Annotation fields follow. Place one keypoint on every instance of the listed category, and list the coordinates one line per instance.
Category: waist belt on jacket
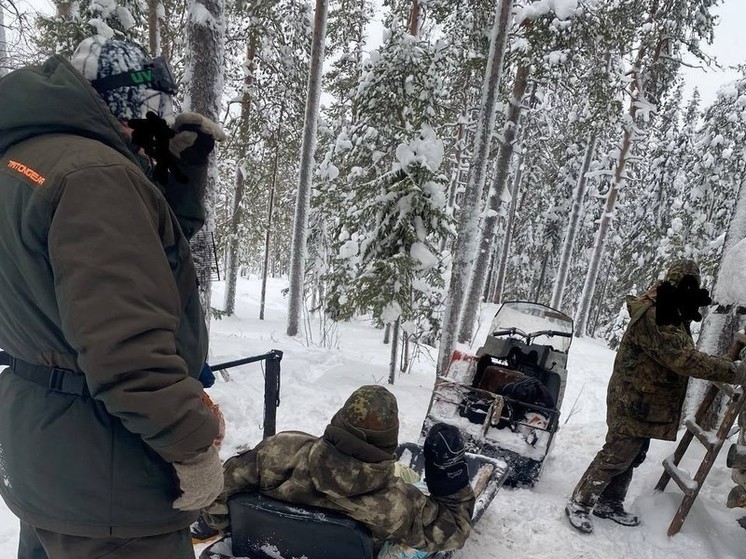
(53, 378)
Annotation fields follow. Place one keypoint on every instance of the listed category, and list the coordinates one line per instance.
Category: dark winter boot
(202, 532)
(615, 512)
(577, 514)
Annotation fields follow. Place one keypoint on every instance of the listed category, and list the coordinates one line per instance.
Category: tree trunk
(465, 246)
(239, 185)
(589, 287)
(489, 227)
(270, 210)
(404, 352)
(568, 244)
(154, 30)
(718, 329)
(394, 351)
(4, 61)
(303, 201)
(497, 293)
(387, 334)
(204, 86)
(414, 18)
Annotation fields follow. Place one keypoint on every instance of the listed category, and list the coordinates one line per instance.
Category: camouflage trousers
(607, 478)
(35, 543)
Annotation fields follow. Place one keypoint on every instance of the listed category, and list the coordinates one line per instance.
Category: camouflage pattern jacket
(651, 372)
(343, 473)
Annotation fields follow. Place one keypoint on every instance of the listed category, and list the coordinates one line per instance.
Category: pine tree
(465, 249)
(205, 59)
(303, 201)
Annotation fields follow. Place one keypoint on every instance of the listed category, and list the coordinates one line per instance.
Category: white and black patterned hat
(129, 82)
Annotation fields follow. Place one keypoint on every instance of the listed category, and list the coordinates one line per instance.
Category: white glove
(200, 479)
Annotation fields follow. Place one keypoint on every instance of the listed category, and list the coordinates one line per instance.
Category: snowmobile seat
(265, 528)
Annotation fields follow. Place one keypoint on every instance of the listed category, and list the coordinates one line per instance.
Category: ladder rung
(728, 389)
(687, 485)
(708, 439)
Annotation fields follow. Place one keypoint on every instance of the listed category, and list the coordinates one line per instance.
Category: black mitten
(666, 305)
(195, 138)
(445, 468)
(691, 297)
(153, 135)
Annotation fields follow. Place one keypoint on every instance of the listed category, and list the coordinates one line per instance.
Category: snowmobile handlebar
(532, 335)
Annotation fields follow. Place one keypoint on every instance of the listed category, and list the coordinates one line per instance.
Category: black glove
(445, 468)
(195, 138)
(153, 135)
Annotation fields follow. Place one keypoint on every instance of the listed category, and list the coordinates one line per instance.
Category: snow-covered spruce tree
(464, 249)
(303, 200)
(383, 176)
(205, 57)
(667, 31)
(75, 21)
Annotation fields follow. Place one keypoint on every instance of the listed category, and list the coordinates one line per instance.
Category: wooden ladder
(712, 441)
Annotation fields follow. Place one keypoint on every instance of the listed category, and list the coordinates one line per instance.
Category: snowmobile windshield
(537, 323)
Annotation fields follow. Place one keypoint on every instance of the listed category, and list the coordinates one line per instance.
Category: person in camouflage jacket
(646, 391)
(350, 469)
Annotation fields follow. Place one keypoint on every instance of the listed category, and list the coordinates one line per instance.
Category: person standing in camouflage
(646, 391)
(350, 469)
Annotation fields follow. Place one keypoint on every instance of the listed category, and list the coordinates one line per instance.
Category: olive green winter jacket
(95, 276)
(343, 473)
(651, 373)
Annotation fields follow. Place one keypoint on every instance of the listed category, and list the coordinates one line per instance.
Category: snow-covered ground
(521, 523)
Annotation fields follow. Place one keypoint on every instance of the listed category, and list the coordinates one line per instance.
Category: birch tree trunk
(489, 227)
(573, 225)
(231, 272)
(270, 211)
(465, 247)
(303, 200)
(204, 86)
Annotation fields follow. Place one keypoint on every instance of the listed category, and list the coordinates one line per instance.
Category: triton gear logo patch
(26, 171)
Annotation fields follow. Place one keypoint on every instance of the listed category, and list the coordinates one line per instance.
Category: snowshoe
(578, 516)
(616, 513)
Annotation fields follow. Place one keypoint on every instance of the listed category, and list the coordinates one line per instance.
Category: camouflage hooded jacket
(343, 473)
(648, 385)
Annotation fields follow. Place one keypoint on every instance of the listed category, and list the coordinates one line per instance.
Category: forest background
(543, 150)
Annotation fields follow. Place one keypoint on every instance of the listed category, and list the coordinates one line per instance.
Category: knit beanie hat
(372, 415)
(129, 82)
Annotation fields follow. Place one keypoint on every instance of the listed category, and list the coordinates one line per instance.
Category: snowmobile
(505, 400)
(265, 528)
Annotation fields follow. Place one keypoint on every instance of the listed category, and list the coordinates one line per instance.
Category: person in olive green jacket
(350, 469)
(106, 448)
(646, 391)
